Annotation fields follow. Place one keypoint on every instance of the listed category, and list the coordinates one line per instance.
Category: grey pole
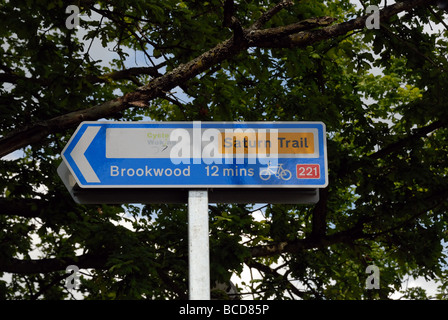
(198, 245)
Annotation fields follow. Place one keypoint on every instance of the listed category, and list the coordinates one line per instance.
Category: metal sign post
(198, 245)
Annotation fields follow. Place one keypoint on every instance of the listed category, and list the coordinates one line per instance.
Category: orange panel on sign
(286, 142)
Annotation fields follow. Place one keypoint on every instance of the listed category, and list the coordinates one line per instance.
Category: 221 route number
(308, 171)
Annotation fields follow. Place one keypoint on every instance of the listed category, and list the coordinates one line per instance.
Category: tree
(228, 61)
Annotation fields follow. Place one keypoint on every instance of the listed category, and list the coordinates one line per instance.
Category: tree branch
(19, 266)
(9, 78)
(128, 73)
(309, 37)
(28, 208)
(155, 88)
(393, 147)
(116, 75)
(265, 17)
(413, 207)
(54, 282)
(346, 236)
(259, 36)
(267, 270)
(229, 11)
(416, 134)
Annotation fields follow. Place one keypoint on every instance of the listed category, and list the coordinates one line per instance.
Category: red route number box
(308, 171)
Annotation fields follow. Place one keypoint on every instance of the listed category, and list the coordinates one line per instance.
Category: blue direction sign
(198, 155)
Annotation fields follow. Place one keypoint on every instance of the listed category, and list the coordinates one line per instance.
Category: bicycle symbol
(278, 171)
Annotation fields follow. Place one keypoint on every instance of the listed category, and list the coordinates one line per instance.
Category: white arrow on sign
(78, 154)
